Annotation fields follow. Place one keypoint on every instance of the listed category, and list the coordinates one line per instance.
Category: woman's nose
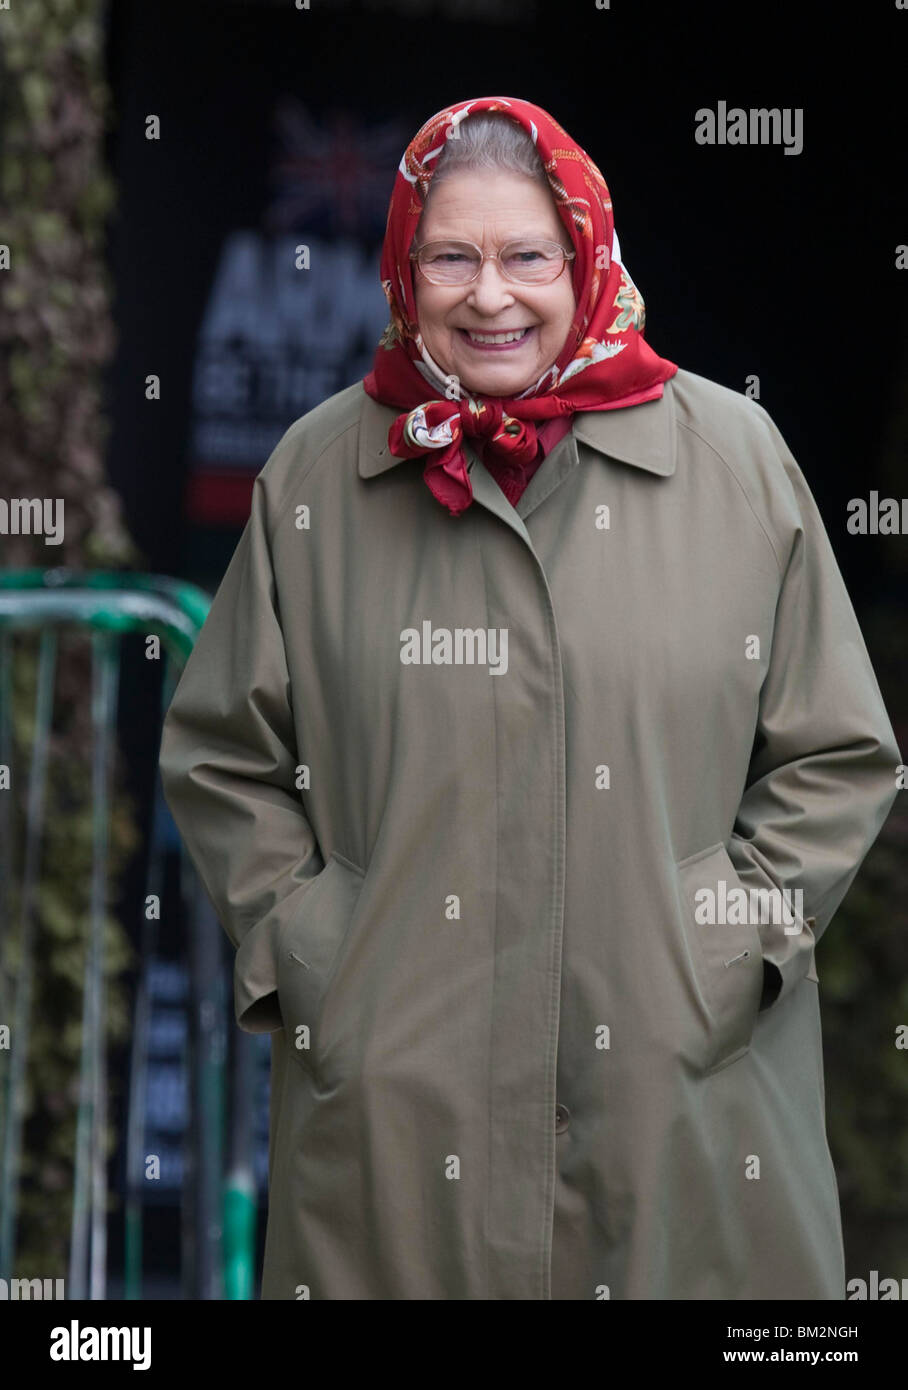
(490, 290)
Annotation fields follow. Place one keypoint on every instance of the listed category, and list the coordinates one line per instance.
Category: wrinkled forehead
(498, 204)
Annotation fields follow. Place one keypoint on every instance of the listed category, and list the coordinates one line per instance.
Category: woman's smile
(500, 340)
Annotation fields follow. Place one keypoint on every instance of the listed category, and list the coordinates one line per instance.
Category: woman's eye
(451, 257)
(529, 255)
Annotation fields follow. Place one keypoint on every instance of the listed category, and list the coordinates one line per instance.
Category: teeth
(498, 337)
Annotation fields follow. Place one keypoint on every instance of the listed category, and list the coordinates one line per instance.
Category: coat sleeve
(228, 763)
(822, 776)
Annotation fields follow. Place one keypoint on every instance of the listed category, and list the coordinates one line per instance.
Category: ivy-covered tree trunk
(56, 335)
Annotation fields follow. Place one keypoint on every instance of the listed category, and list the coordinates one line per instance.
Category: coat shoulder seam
(682, 424)
(303, 474)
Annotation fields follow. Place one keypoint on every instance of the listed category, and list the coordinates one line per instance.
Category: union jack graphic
(332, 177)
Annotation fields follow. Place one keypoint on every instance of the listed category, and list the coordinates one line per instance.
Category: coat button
(562, 1118)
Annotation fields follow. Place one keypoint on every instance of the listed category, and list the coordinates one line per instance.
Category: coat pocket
(725, 956)
(309, 949)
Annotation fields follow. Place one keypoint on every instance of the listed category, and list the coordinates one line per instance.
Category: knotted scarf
(605, 364)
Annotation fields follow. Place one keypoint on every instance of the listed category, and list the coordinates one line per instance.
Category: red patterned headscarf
(604, 363)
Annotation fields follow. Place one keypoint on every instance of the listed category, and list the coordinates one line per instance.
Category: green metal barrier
(109, 606)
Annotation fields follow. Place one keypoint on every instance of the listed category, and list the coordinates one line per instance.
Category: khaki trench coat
(463, 791)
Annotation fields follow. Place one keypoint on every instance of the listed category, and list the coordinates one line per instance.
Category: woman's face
(491, 208)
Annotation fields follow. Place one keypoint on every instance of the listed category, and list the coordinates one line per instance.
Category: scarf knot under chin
(437, 428)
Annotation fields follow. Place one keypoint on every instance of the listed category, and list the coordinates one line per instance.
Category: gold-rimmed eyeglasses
(527, 262)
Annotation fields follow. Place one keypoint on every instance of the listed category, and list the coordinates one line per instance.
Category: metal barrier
(109, 606)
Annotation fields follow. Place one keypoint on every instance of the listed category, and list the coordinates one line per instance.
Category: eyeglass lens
(457, 262)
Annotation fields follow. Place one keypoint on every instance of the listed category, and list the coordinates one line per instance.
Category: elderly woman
(536, 953)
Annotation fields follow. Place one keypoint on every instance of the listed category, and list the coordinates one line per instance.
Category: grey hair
(489, 140)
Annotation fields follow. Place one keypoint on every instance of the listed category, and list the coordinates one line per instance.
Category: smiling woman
(513, 1057)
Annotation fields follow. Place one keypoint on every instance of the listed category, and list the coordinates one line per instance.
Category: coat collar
(642, 435)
